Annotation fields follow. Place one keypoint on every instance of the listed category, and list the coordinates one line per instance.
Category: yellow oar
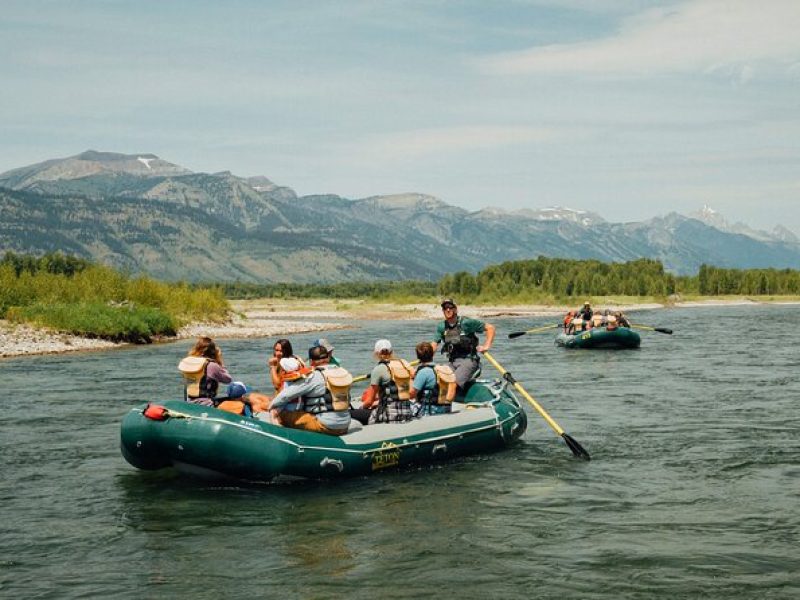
(365, 377)
(658, 329)
(516, 334)
(572, 443)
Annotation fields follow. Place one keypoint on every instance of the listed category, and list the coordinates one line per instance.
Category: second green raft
(600, 337)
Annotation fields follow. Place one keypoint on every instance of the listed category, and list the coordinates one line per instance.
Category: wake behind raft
(205, 441)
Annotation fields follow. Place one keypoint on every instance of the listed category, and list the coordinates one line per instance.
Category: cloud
(701, 36)
(424, 142)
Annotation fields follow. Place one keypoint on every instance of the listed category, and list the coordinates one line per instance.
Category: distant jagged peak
(783, 234)
(410, 200)
(709, 216)
(562, 213)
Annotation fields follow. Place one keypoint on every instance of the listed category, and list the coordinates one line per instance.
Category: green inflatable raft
(600, 337)
(206, 441)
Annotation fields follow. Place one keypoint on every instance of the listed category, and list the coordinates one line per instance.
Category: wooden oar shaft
(556, 427)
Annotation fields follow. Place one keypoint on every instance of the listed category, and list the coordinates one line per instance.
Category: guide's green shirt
(468, 326)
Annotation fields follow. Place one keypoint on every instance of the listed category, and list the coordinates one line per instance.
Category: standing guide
(461, 343)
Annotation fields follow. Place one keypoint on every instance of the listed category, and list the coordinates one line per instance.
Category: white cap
(290, 364)
(383, 346)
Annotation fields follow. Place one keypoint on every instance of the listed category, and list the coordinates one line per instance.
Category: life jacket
(337, 392)
(394, 399)
(597, 321)
(576, 325)
(438, 393)
(196, 383)
(458, 344)
(611, 324)
(567, 320)
(301, 373)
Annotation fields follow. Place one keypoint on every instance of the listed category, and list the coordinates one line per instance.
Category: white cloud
(706, 35)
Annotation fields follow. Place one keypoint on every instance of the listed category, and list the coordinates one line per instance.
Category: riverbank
(273, 318)
(23, 340)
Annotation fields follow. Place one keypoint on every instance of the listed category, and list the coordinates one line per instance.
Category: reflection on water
(692, 490)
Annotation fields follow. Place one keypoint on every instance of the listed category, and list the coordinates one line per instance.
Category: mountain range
(144, 214)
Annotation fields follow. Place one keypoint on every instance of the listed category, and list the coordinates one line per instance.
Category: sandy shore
(270, 318)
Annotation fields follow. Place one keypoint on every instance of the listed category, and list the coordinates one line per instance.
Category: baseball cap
(324, 343)
(383, 346)
(290, 364)
(236, 389)
(448, 302)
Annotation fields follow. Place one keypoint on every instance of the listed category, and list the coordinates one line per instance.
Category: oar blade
(516, 334)
(663, 330)
(577, 450)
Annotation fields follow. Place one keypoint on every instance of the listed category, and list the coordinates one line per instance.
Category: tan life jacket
(401, 374)
(193, 369)
(597, 321)
(612, 323)
(444, 377)
(338, 381)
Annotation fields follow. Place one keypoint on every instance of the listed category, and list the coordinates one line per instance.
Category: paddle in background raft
(571, 442)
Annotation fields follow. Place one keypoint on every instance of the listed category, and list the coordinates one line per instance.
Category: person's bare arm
(490, 330)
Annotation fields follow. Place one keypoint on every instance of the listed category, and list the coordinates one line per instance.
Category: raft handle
(325, 462)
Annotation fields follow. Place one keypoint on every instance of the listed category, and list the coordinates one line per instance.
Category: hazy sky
(629, 108)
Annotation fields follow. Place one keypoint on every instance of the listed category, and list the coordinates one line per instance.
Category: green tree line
(556, 278)
(713, 281)
(76, 296)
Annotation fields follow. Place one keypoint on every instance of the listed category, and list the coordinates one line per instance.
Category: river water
(693, 489)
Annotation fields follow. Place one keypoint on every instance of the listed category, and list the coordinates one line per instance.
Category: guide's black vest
(457, 344)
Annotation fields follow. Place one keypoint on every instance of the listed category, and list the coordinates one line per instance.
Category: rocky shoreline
(23, 340)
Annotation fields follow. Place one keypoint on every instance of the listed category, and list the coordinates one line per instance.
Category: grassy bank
(78, 297)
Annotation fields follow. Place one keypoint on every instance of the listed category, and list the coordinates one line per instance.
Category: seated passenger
(281, 349)
(319, 410)
(568, 318)
(434, 386)
(327, 345)
(622, 320)
(203, 371)
(575, 326)
(386, 399)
